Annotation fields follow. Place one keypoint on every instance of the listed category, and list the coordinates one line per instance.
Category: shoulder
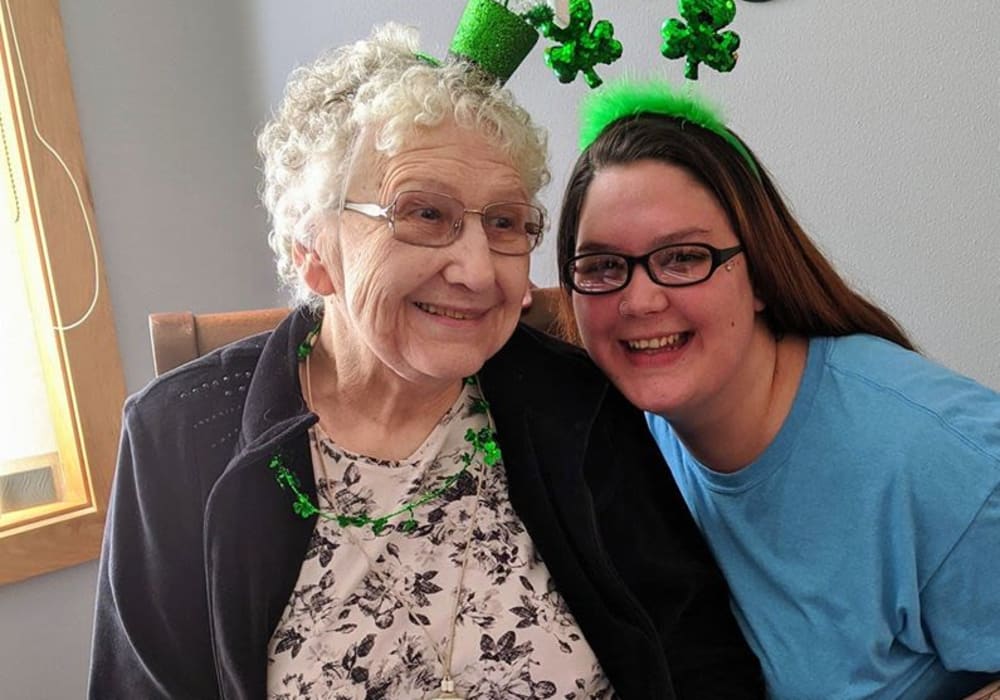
(212, 385)
(925, 441)
(878, 360)
(922, 440)
(905, 389)
(549, 351)
(882, 363)
(555, 382)
(539, 354)
(178, 434)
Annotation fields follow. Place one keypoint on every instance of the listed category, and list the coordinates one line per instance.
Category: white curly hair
(384, 86)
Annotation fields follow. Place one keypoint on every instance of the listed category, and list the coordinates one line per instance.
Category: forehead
(636, 206)
(446, 157)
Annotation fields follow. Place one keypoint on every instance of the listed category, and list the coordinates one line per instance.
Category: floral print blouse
(377, 623)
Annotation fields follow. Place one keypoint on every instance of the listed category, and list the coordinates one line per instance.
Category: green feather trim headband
(628, 98)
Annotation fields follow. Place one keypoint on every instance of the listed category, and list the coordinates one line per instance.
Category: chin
(644, 402)
(649, 398)
(452, 366)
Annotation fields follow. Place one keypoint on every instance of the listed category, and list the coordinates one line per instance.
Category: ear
(300, 251)
(758, 304)
(312, 269)
(526, 300)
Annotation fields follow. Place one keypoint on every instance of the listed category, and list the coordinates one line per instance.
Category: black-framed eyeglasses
(434, 220)
(676, 265)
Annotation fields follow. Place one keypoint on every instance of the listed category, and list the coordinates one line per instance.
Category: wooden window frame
(56, 231)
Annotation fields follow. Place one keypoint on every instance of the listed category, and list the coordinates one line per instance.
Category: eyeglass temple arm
(726, 253)
(372, 210)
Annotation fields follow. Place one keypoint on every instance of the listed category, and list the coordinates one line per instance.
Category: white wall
(879, 120)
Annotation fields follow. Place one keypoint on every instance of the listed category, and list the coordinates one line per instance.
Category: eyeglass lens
(429, 218)
(672, 265)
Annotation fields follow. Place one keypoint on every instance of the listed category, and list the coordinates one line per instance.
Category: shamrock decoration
(699, 39)
(580, 47)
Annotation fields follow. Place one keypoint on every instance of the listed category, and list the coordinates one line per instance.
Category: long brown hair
(802, 292)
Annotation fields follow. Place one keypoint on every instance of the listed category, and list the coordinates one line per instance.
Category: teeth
(667, 341)
(440, 311)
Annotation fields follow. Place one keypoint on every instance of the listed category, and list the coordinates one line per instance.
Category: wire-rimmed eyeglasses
(434, 220)
(675, 265)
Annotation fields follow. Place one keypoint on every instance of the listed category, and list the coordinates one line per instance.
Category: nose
(471, 263)
(641, 296)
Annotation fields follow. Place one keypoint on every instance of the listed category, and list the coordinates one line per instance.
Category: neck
(365, 406)
(735, 431)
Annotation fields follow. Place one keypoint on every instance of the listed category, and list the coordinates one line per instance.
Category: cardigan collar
(265, 550)
(274, 397)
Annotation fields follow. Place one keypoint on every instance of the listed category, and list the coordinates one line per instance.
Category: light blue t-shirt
(863, 547)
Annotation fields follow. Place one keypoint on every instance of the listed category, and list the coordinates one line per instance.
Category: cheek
(738, 320)
(327, 248)
(731, 307)
(370, 290)
(594, 317)
(513, 276)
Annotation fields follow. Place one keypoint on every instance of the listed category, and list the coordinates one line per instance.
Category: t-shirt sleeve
(961, 602)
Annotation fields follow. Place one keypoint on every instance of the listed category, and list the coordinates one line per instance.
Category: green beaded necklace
(482, 441)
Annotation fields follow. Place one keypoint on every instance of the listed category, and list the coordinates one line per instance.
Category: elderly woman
(323, 511)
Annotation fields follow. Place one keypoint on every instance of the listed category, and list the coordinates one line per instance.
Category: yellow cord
(72, 179)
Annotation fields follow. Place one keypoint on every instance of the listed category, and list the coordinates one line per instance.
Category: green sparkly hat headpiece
(628, 98)
(497, 39)
(493, 37)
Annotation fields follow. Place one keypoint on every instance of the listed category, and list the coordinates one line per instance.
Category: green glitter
(580, 48)
(492, 37)
(699, 40)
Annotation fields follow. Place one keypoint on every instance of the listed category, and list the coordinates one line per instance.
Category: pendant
(447, 691)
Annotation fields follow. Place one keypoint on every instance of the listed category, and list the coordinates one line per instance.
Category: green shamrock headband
(628, 98)
(496, 38)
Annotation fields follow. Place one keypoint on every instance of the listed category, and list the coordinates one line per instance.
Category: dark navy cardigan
(202, 550)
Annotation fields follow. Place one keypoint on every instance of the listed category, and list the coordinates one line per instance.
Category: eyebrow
(680, 236)
(514, 193)
(425, 184)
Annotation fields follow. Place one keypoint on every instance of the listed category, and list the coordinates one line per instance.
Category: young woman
(849, 487)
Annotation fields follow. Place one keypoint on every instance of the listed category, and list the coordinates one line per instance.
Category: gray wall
(879, 121)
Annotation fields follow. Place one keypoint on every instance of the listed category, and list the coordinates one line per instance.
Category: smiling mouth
(672, 341)
(442, 311)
